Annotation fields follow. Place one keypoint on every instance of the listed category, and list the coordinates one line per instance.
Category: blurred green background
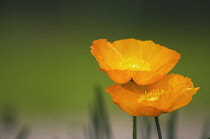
(48, 70)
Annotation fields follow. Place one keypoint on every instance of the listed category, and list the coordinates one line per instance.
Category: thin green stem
(158, 127)
(134, 128)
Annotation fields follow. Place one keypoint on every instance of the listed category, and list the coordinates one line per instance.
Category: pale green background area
(46, 65)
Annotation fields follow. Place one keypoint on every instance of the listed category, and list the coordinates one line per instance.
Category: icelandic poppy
(141, 61)
(164, 96)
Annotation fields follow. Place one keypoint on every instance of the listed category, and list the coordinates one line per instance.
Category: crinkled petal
(144, 50)
(106, 55)
(145, 77)
(183, 99)
(164, 61)
(119, 76)
(127, 101)
(178, 92)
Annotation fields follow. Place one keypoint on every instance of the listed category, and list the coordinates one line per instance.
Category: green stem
(134, 128)
(158, 127)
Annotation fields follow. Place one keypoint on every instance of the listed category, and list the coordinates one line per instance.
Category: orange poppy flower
(166, 95)
(141, 61)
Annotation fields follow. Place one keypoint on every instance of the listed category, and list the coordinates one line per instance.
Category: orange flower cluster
(141, 67)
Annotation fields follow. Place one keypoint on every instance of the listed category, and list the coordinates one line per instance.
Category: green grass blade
(172, 124)
(205, 131)
(99, 126)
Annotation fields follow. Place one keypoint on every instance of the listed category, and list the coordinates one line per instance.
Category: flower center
(151, 95)
(133, 63)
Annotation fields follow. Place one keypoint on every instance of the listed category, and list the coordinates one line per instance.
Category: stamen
(151, 95)
(133, 63)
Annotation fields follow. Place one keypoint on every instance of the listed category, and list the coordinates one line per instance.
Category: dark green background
(45, 64)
